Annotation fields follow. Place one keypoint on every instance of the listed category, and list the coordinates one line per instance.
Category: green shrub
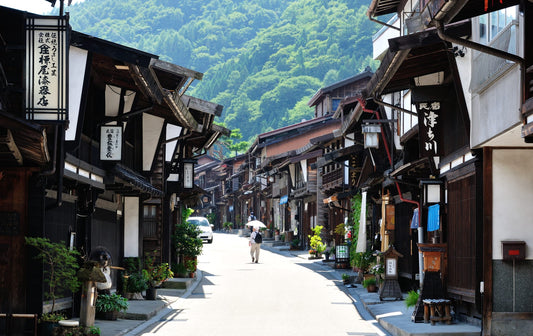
(61, 266)
(111, 302)
(369, 282)
(412, 298)
(136, 282)
(132, 264)
(186, 241)
(179, 270)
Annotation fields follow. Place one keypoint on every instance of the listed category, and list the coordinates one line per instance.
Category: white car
(206, 229)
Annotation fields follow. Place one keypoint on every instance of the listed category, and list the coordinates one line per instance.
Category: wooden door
(462, 231)
(13, 228)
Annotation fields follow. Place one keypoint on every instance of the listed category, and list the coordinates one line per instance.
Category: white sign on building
(46, 68)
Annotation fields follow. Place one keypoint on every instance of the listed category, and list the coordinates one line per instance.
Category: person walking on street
(251, 217)
(255, 244)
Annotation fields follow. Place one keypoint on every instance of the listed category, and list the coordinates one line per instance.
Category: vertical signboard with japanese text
(429, 128)
(46, 68)
(111, 143)
(355, 169)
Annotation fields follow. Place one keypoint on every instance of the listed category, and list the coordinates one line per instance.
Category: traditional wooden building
(285, 162)
(95, 139)
(462, 68)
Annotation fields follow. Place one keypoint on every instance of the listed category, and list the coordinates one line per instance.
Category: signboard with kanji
(111, 143)
(46, 68)
(429, 128)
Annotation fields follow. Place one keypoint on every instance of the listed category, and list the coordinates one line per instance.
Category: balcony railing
(332, 179)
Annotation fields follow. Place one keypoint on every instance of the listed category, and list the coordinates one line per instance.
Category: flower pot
(108, 316)
(47, 328)
(151, 293)
(371, 288)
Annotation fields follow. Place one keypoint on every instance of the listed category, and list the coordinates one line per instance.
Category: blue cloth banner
(433, 217)
(284, 199)
(414, 220)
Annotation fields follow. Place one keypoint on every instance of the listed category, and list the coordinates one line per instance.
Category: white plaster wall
(464, 67)
(152, 127)
(497, 109)
(380, 41)
(512, 198)
(172, 132)
(76, 73)
(131, 226)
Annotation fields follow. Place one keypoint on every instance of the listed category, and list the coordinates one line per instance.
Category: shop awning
(414, 170)
(22, 142)
(129, 183)
(412, 56)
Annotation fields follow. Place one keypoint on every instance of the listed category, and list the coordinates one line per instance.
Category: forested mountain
(262, 59)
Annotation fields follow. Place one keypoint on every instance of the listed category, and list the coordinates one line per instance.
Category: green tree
(61, 266)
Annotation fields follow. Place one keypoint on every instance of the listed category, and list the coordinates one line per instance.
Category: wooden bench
(437, 310)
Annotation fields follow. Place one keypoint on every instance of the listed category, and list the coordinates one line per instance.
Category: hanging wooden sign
(46, 68)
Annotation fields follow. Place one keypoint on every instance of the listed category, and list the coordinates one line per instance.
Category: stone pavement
(393, 316)
(143, 313)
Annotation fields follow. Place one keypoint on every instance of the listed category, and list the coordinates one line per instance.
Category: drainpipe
(55, 169)
(382, 103)
(383, 23)
(420, 229)
(487, 50)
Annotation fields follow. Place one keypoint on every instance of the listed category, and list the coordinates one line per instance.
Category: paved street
(277, 296)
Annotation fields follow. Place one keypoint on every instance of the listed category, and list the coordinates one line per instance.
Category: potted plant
(60, 274)
(186, 243)
(329, 251)
(340, 230)
(370, 284)
(316, 241)
(179, 270)
(109, 305)
(48, 322)
(345, 278)
(156, 275)
(78, 331)
(92, 331)
(295, 243)
(191, 267)
(227, 226)
(411, 299)
(377, 270)
(135, 284)
(62, 265)
(361, 261)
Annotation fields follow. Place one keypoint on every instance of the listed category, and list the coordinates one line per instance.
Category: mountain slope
(262, 59)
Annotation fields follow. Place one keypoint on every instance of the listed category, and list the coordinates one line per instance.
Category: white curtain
(361, 238)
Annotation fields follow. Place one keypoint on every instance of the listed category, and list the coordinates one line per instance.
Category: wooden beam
(487, 239)
(202, 105)
(6, 138)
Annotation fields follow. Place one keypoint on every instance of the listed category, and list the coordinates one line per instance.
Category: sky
(34, 6)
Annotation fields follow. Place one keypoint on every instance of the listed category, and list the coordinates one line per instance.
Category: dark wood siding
(405, 242)
(13, 228)
(461, 238)
(106, 232)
